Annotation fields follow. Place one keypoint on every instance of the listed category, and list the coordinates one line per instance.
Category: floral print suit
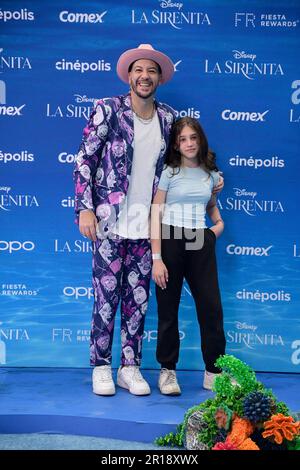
(121, 267)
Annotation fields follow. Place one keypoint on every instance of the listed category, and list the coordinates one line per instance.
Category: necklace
(145, 120)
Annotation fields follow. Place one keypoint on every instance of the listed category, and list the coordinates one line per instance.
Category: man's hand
(88, 224)
(219, 186)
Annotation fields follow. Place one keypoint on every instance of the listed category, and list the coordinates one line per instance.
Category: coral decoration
(257, 407)
(248, 444)
(240, 430)
(227, 445)
(243, 415)
(281, 427)
(223, 417)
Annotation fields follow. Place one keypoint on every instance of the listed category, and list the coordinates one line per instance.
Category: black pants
(199, 268)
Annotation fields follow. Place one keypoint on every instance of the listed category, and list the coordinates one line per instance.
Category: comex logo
(65, 157)
(229, 115)
(15, 245)
(70, 17)
(248, 250)
(8, 110)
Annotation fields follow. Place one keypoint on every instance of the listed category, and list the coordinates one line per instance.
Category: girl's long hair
(205, 156)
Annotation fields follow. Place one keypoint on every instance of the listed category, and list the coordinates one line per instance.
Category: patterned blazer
(104, 160)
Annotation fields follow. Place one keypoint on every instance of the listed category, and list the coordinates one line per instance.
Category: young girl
(183, 247)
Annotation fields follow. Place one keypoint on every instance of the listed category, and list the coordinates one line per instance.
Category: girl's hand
(218, 228)
(160, 273)
(219, 187)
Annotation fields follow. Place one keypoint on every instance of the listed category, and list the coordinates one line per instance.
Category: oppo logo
(151, 335)
(65, 157)
(78, 292)
(16, 245)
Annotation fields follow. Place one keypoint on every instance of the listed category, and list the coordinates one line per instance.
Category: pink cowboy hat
(145, 51)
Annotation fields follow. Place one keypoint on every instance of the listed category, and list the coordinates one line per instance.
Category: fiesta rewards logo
(170, 13)
(245, 64)
(17, 290)
(245, 201)
(264, 20)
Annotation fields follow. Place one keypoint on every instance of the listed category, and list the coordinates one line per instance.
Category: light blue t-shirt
(188, 192)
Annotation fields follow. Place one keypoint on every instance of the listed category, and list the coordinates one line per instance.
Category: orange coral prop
(248, 444)
(240, 431)
(281, 427)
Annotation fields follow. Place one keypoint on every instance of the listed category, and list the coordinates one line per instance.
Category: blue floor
(60, 401)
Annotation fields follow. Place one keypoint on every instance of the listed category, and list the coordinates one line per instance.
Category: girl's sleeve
(164, 181)
(216, 177)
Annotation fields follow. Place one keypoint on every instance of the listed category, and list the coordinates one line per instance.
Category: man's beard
(133, 86)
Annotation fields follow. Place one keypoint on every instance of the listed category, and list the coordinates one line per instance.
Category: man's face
(144, 78)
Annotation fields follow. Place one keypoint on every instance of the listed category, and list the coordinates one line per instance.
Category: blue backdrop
(237, 71)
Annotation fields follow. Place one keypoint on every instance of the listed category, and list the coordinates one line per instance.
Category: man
(116, 175)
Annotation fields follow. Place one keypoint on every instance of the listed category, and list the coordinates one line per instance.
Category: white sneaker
(102, 381)
(209, 379)
(130, 377)
(167, 382)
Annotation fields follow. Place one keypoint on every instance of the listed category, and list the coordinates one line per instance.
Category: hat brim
(130, 56)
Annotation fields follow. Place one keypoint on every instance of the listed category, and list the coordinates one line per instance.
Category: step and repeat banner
(237, 71)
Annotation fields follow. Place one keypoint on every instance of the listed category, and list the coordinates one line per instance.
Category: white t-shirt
(133, 221)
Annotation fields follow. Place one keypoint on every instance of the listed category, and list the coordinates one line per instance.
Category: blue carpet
(60, 402)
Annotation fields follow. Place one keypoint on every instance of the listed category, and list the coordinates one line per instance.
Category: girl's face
(188, 146)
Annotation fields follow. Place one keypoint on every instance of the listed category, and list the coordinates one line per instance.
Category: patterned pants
(121, 271)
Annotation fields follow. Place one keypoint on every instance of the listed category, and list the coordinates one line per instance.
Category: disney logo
(243, 55)
(5, 188)
(243, 192)
(244, 326)
(83, 99)
(169, 4)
